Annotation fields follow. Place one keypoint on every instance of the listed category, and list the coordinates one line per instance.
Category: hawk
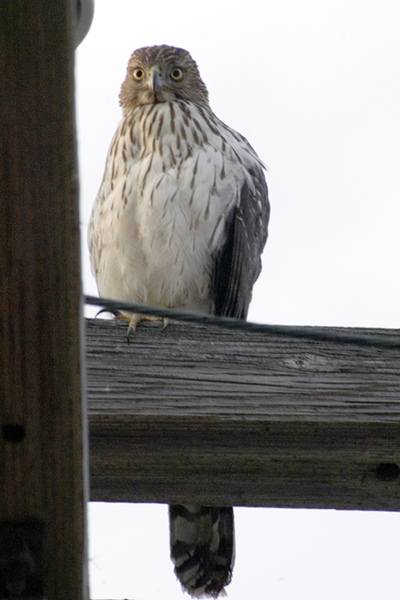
(180, 221)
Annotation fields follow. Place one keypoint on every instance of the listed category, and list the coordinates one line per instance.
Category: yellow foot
(137, 317)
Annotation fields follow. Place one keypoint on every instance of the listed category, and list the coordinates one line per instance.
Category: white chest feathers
(173, 174)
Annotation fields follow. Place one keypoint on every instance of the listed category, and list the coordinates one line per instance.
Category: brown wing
(237, 264)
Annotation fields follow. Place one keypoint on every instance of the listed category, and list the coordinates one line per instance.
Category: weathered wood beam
(200, 414)
(42, 431)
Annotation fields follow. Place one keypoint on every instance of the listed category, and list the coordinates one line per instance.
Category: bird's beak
(155, 81)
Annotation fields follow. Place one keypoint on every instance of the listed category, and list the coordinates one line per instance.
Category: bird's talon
(107, 310)
(129, 333)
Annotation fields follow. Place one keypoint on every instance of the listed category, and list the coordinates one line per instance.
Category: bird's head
(162, 74)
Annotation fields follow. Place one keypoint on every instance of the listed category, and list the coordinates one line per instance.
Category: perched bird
(180, 221)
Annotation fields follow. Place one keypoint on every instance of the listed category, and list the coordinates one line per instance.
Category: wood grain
(43, 431)
(195, 413)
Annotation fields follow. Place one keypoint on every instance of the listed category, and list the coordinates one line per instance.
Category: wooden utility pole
(43, 433)
(186, 414)
(194, 413)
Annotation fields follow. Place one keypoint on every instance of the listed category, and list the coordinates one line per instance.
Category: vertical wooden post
(43, 434)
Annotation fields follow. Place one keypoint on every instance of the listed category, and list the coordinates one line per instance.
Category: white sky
(315, 87)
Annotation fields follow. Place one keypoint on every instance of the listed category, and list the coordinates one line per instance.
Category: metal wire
(382, 340)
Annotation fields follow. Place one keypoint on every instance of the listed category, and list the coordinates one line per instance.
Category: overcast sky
(315, 87)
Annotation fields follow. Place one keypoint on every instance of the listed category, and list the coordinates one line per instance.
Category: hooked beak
(155, 81)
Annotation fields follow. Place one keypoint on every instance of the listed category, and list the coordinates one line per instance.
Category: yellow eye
(138, 74)
(176, 74)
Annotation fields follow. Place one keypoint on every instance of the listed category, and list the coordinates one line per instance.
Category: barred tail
(202, 547)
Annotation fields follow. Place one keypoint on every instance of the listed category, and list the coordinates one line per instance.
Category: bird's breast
(171, 179)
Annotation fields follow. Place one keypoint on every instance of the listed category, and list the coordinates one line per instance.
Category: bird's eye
(176, 74)
(138, 74)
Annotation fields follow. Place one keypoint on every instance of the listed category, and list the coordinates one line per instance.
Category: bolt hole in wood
(13, 433)
(387, 471)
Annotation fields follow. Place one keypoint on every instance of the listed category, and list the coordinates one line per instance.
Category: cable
(382, 340)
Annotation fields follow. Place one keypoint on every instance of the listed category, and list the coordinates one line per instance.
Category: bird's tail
(202, 547)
